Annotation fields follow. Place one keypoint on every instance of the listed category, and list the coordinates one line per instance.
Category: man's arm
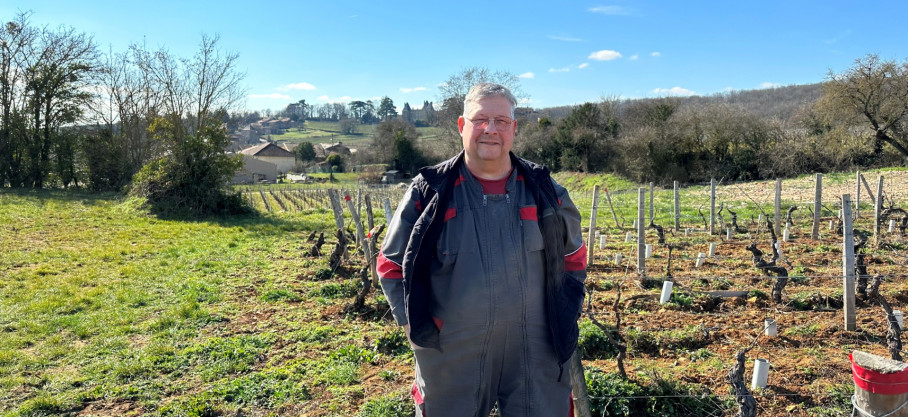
(390, 258)
(575, 248)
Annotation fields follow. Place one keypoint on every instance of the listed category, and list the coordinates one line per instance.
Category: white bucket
(785, 234)
(687, 231)
(728, 234)
(649, 251)
(602, 242)
(635, 224)
(666, 292)
(618, 258)
(627, 237)
(898, 317)
(760, 219)
(770, 326)
(831, 224)
(712, 250)
(761, 374)
(700, 257)
(891, 225)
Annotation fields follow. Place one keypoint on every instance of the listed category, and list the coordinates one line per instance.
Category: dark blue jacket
(564, 289)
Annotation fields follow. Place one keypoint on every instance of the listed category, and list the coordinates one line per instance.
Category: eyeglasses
(498, 123)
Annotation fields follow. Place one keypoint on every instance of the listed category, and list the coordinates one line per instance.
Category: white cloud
(604, 55)
(559, 69)
(656, 54)
(527, 75)
(273, 96)
(634, 57)
(610, 10)
(583, 65)
(769, 85)
(729, 89)
(406, 90)
(565, 38)
(328, 99)
(525, 101)
(674, 91)
(297, 86)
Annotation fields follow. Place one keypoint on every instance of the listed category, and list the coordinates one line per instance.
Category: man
(483, 265)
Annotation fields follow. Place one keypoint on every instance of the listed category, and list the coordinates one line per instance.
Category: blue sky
(567, 52)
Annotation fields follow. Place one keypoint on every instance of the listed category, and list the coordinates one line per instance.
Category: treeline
(841, 124)
(140, 120)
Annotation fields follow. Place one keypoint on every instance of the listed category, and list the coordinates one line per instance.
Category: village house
(269, 152)
(255, 171)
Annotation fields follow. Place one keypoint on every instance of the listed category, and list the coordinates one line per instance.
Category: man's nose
(490, 127)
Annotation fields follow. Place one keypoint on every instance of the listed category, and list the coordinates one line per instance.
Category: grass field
(329, 132)
(106, 310)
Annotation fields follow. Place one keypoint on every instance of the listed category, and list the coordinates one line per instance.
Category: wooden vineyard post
(578, 383)
(641, 228)
(778, 214)
(867, 187)
(877, 210)
(712, 206)
(386, 203)
(337, 208)
(879, 385)
(677, 208)
(857, 195)
(848, 265)
(614, 215)
(369, 212)
(591, 242)
(361, 236)
(817, 207)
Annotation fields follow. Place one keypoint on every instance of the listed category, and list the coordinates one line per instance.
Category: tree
(385, 135)
(386, 109)
(347, 126)
(875, 91)
(407, 158)
(44, 80)
(16, 48)
(304, 151)
(335, 163)
(581, 136)
(357, 109)
(191, 175)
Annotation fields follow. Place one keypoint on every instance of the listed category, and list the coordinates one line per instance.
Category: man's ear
(460, 123)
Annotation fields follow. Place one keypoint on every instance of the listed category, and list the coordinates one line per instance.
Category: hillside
(777, 103)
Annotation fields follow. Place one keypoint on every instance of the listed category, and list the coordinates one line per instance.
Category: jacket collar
(436, 175)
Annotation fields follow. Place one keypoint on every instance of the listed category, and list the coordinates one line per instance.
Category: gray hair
(483, 90)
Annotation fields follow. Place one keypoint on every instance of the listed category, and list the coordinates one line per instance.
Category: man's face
(487, 130)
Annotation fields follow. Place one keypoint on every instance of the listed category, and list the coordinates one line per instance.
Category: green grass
(330, 132)
(102, 301)
(103, 304)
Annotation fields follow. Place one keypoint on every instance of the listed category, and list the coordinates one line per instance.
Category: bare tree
(16, 44)
(874, 91)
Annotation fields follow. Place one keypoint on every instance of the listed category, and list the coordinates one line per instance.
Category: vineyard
(721, 298)
(109, 311)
